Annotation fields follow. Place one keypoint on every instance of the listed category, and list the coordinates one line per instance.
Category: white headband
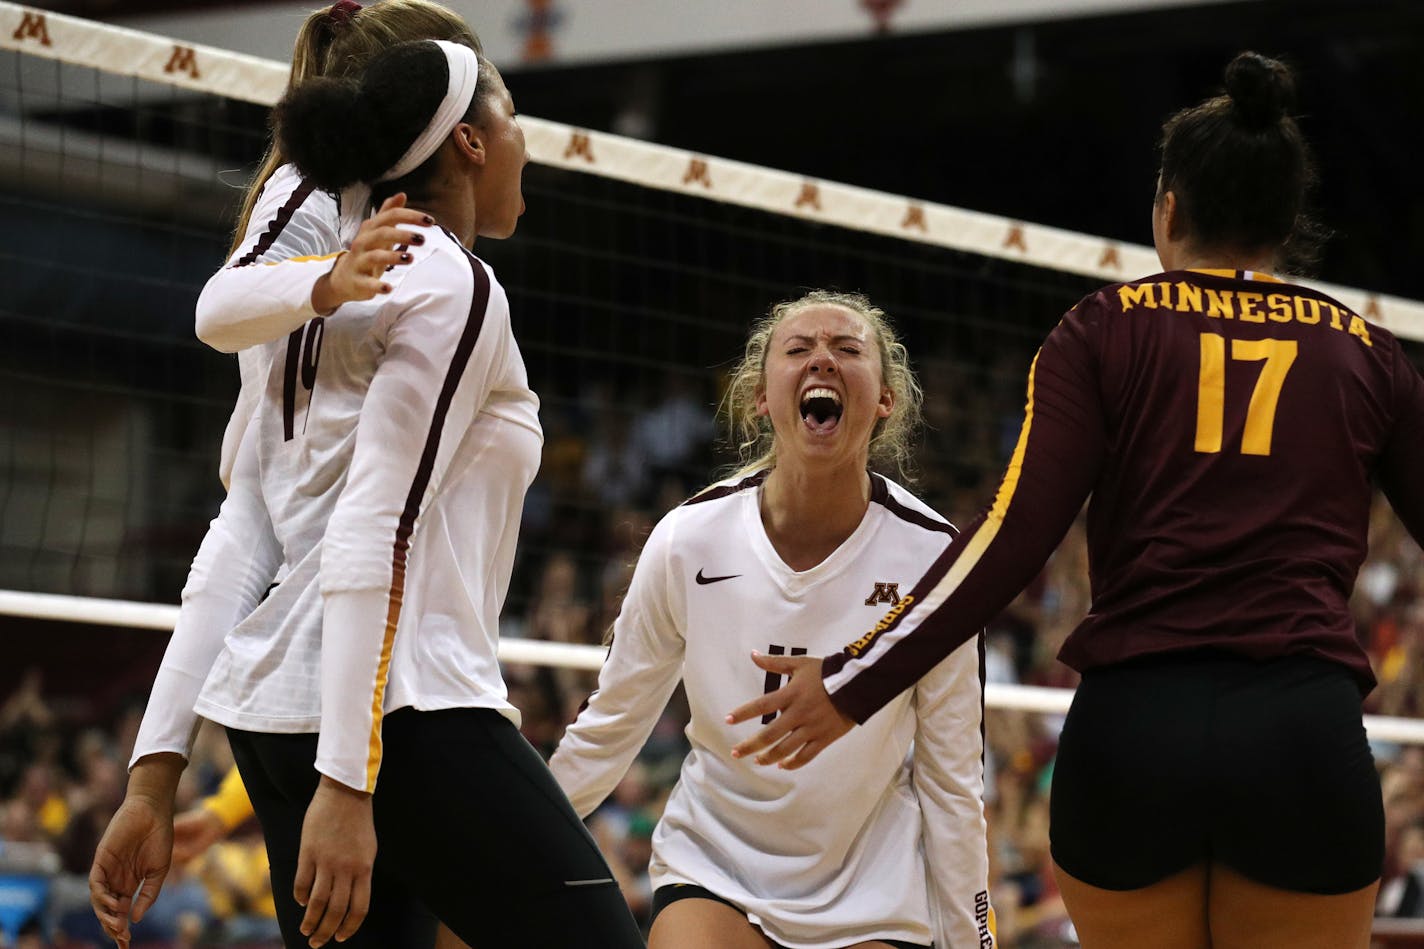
(464, 74)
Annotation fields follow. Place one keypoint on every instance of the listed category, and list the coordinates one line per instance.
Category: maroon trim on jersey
(880, 494)
(278, 224)
(479, 301)
(983, 687)
(721, 491)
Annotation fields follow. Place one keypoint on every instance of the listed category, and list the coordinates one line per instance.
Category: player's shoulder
(443, 269)
(287, 192)
(713, 498)
(906, 510)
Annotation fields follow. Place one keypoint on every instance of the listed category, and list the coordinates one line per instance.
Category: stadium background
(629, 304)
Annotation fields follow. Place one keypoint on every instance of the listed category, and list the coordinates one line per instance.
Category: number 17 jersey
(1229, 427)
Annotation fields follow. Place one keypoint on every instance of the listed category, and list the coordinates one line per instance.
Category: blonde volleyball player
(381, 636)
(243, 305)
(800, 550)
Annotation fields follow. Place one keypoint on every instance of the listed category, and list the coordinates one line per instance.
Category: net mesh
(117, 194)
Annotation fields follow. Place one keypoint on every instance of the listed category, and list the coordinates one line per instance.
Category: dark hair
(341, 131)
(336, 42)
(1241, 169)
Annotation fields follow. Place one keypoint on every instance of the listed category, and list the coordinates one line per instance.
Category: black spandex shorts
(472, 828)
(665, 896)
(1261, 766)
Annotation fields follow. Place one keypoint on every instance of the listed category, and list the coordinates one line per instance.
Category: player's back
(1244, 420)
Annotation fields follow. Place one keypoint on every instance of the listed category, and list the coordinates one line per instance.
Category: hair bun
(325, 129)
(1262, 89)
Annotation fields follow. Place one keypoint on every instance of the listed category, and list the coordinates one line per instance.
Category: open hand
(806, 720)
(360, 272)
(334, 864)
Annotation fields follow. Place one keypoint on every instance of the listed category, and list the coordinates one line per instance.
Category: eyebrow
(801, 337)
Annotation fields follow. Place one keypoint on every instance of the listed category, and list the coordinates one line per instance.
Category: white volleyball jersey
(246, 303)
(395, 443)
(249, 302)
(883, 835)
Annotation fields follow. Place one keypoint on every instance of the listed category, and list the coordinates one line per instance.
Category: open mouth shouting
(821, 409)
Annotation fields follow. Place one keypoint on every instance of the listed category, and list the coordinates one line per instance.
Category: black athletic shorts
(470, 827)
(1260, 766)
(665, 896)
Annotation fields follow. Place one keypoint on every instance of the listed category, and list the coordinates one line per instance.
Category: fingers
(306, 873)
(768, 704)
(109, 908)
(315, 903)
(335, 899)
(782, 665)
(804, 756)
(148, 893)
(779, 728)
(356, 912)
(396, 200)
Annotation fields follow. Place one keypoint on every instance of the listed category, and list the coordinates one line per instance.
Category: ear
(469, 142)
(762, 408)
(887, 402)
(1167, 207)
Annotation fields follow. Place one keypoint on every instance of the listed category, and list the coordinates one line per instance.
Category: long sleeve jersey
(835, 853)
(247, 303)
(1228, 427)
(395, 444)
(250, 302)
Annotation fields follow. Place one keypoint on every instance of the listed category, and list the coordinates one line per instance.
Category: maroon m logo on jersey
(884, 593)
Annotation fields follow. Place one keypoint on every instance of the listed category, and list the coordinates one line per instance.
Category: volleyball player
(795, 553)
(243, 305)
(1213, 785)
(393, 455)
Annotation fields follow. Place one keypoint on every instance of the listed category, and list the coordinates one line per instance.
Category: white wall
(593, 30)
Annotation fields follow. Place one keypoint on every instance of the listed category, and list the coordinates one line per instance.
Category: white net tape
(160, 616)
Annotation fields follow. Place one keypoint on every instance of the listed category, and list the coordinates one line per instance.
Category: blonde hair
(752, 435)
(340, 46)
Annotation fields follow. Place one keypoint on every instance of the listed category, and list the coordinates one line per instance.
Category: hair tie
(343, 10)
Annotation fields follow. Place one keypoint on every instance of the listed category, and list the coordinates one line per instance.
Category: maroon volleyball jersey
(1228, 427)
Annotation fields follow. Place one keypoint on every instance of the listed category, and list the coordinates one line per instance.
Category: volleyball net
(632, 280)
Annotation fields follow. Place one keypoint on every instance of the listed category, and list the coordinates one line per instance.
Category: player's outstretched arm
(806, 720)
(294, 244)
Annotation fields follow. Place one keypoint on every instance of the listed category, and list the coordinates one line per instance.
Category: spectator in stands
(1402, 893)
(1213, 783)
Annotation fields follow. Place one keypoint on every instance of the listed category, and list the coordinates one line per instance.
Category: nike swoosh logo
(706, 580)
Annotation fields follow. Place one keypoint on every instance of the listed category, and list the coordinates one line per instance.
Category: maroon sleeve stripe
(721, 491)
(479, 302)
(278, 223)
(880, 494)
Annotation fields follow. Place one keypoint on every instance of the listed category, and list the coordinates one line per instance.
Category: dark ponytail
(1241, 169)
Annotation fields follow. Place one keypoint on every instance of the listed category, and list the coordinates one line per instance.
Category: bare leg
(704, 924)
(1170, 914)
(1245, 914)
(445, 939)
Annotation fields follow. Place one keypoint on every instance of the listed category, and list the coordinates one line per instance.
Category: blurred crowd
(607, 475)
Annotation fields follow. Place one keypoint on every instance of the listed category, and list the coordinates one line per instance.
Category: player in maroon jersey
(1213, 786)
